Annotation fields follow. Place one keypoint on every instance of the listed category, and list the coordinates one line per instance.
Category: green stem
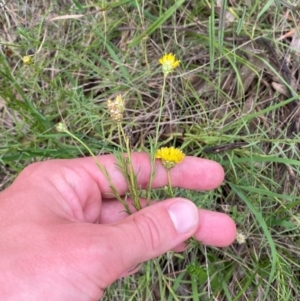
(156, 137)
(152, 173)
(128, 168)
(160, 110)
(170, 184)
(82, 143)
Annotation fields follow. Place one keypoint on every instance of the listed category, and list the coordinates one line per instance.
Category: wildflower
(61, 127)
(116, 108)
(27, 59)
(170, 156)
(240, 237)
(169, 63)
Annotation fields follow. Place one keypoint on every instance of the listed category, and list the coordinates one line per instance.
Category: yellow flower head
(116, 108)
(27, 59)
(170, 156)
(169, 63)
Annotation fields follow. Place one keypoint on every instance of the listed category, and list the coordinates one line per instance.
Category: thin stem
(170, 184)
(152, 172)
(131, 176)
(160, 110)
(82, 143)
(156, 139)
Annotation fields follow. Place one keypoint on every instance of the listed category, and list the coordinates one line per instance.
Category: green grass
(231, 87)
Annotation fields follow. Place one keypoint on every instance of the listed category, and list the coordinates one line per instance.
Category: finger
(191, 173)
(181, 247)
(113, 211)
(78, 185)
(215, 228)
(145, 235)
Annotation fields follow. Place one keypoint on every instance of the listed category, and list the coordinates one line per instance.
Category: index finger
(192, 173)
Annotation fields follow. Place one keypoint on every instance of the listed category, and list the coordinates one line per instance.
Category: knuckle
(149, 231)
(31, 170)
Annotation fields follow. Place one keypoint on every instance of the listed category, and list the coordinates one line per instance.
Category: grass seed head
(116, 108)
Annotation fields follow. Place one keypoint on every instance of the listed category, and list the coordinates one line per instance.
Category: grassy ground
(233, 99)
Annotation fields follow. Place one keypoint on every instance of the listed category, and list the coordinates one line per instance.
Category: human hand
(63, 235)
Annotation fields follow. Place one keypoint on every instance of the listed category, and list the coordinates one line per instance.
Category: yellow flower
(116, 108)
(27, 59)
(169, 63)
(170, 156)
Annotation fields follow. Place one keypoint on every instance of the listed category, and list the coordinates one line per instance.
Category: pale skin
(63, 236)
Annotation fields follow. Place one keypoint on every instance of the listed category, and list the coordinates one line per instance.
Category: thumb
(147, 234)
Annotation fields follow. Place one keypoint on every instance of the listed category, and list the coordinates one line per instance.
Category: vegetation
(233, 99)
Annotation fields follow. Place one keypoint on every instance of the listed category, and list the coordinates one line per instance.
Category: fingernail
(184, 215)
